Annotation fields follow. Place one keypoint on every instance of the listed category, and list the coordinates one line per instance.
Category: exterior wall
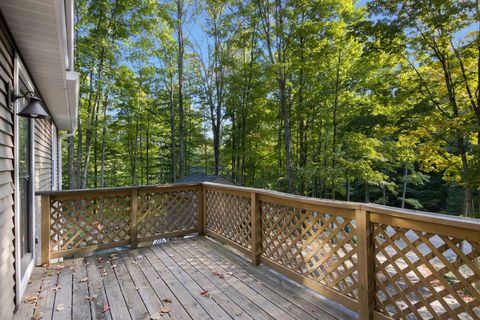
(45, 177)
(7, 260)
(46, 169)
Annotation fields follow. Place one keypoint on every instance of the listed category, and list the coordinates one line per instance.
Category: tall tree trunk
(180, 88)
(172, 132)
(79, 153)
(103, 147)
(404, 190)
(334, 121)
(70, 165)
(287, 134)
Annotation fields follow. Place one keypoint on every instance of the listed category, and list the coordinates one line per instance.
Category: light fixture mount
(34, 108)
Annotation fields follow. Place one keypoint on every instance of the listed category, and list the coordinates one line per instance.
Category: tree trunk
(404, 190)
(180, 88)
(104, 136)
(172, 132)
(70, 166)
(79, 153)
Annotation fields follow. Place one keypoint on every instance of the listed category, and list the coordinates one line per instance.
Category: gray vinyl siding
(43, 155)
(7, 257)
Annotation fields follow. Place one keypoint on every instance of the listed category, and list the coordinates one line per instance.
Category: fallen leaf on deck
(60, 307)
(134, 262)
(114, 265)
(167, 300)
(30, 299)
(56, 288)
(165, 310)
(230, 273)
(205, 293)
(106, 307)
(29, 281)
(83, 280)
(91, 298)
(218, 274)
(59, 267)
(37, 316)
(139, 258)
(137, 288)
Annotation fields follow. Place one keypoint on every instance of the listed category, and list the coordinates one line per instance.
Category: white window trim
(21, 280)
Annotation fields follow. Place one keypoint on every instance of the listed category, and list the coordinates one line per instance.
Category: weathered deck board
(137, 284)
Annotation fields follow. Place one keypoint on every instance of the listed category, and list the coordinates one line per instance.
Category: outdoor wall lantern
(34, 108)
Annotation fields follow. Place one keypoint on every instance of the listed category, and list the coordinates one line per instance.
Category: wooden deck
(194, 278)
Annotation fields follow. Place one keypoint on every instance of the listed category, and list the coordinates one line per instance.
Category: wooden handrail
(349, 252)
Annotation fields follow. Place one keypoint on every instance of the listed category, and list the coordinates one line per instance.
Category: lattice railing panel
(229, 215)
(87, 222)
(420, 275)
(164, 212)
(314, 244)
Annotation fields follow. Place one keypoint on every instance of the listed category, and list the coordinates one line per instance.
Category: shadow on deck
(195, 278)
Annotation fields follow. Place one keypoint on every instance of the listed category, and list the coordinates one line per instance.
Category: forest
(371, 101)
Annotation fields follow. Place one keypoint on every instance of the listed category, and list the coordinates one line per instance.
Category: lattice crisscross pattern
(163, 212)
(420, 275)
(87, 222)
(314, 244)
(229, 215)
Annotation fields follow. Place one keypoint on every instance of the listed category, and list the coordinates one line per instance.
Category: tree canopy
(374, 101)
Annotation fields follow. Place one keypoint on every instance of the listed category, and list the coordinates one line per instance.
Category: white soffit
(38, 28)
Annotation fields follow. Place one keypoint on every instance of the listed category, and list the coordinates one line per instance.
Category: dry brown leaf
(60, 307)
(167, 300)
(205, 293)
(56, 288)
(83, 279)
(30, 299)
(37, 316)
(106, 307)
(91, 298)
(165, 310)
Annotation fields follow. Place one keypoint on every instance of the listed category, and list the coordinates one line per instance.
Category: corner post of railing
(201, 210)
(366, 265)
(45, 229)
(256, 228)
(133, 218)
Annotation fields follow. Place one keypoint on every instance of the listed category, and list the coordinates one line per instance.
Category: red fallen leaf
(106, 307)
(205, 293)
(218, 274)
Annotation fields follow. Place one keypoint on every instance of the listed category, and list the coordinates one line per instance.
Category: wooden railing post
(201, 210)
(366, 265)
(133, 218)
(45, 229)
(256, 229)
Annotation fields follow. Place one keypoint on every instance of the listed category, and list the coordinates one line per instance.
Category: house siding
(7, 257)
(43, 155)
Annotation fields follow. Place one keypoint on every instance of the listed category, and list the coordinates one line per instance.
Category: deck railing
(380, 261)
